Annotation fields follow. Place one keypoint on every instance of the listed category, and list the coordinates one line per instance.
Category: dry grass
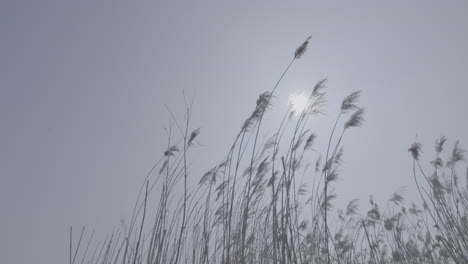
(271, 202)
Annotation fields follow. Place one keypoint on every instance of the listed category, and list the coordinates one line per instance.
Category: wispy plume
(349, 103)
(439, 145)
(310, 141)
(327, 203)
(317, 98)
(318, 88)
(263, 102)
(209, 176)
(332, 176)
(415, 150)
(356, 119)
(170, 151)
(458, 154)
(396, 198)
(302, 49)
(352, 207)
(374, 214)
(193, 135)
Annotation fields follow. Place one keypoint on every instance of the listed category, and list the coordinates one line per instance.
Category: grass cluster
(270, 201)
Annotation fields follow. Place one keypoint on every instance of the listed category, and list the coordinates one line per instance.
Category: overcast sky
(84, 84)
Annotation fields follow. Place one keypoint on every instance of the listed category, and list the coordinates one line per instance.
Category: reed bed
(271, 201)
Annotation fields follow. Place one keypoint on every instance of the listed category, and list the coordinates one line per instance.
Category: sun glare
(297, 102)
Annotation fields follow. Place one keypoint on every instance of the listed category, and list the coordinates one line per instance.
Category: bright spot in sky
(297, 102)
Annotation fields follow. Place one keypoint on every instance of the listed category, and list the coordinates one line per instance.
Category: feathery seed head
(356, 119)
(349, 103)
(352, 207)
(263, 102)
(458, 154)
(170, 151)
(193, 135)
(415, 150)
(440, 144)
(209, 176)
(302, 49)
(332, 176)
(319, 87)
(374, 214)
(310, 141)
(396, 198)
(327, 203)
(339, 154)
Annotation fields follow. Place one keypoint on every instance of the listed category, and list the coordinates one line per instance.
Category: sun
(297, 103)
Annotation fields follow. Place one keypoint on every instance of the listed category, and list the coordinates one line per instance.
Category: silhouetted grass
(271, 202)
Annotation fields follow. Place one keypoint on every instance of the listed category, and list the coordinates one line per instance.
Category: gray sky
(84, 84)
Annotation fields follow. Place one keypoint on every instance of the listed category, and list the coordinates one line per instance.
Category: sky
(85, 88)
